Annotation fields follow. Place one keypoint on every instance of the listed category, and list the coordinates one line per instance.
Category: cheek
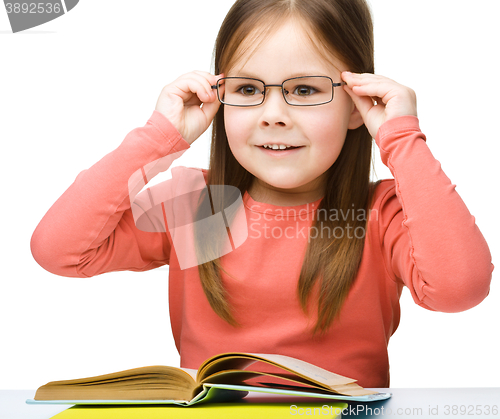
(328, 130)
(237, 126)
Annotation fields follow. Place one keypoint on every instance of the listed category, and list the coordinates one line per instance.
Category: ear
(355, 120)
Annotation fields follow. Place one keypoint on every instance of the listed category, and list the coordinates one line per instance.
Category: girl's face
(295, 176)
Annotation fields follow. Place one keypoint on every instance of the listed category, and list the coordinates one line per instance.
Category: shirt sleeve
(90, 229)
(429, 238)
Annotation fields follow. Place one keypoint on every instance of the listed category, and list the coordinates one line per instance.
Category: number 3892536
(37, 8)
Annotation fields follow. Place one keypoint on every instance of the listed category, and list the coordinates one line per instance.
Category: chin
(284, 184)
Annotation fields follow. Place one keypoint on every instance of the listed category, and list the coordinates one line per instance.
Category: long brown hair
(344, 29)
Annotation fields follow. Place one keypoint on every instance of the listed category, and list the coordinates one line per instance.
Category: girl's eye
(248, 90)
(304, 90)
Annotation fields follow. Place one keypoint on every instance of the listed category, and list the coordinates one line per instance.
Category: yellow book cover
(208, 411)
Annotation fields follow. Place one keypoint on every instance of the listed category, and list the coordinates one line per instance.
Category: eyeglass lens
(301, 91)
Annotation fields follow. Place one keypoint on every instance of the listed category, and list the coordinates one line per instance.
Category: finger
(382, 91)
(204, 77)
(210, 110)
(366, 79)
(202, 81)
(212, 79)
(189, 87)
(363, 78)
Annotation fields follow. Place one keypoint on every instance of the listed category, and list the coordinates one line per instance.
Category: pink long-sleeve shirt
(419, 234)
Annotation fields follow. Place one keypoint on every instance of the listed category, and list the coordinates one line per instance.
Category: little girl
(299, 253)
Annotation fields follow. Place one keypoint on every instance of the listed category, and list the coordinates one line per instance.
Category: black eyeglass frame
(216, 86)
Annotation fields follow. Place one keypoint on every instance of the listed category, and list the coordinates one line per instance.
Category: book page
(306, 369)
(315, 374)
(191, 372)
(155, 382)
(240, 361)
(241, 377)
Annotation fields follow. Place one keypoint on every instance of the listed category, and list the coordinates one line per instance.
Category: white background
(71, 90)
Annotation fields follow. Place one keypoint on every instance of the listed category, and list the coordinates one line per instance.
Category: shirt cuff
(168, 131)
(398, 125)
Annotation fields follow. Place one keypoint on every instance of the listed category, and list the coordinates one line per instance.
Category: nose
(275, 109)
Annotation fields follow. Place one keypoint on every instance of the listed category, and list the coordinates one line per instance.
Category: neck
(261, 191)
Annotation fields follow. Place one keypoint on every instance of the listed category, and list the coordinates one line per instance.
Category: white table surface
(421, 403)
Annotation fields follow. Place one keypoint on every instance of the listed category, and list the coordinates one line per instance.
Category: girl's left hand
(379, 99)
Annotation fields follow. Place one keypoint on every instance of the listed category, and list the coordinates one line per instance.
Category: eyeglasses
(297, 91)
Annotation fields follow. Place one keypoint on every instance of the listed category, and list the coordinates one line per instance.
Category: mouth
(279, 150)
(278, 146)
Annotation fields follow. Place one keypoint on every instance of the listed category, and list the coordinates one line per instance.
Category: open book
(223, 376)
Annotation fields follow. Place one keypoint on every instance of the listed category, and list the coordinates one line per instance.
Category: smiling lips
(279, 150)
(278, 146)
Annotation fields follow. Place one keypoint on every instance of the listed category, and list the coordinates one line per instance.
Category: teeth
(277, 146)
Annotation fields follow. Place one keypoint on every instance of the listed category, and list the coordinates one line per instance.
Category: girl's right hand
(190, 104)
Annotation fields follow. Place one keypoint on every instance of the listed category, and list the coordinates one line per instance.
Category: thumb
(362, 103)
(210, 110)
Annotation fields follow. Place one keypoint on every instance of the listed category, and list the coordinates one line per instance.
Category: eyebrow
(291, 76)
